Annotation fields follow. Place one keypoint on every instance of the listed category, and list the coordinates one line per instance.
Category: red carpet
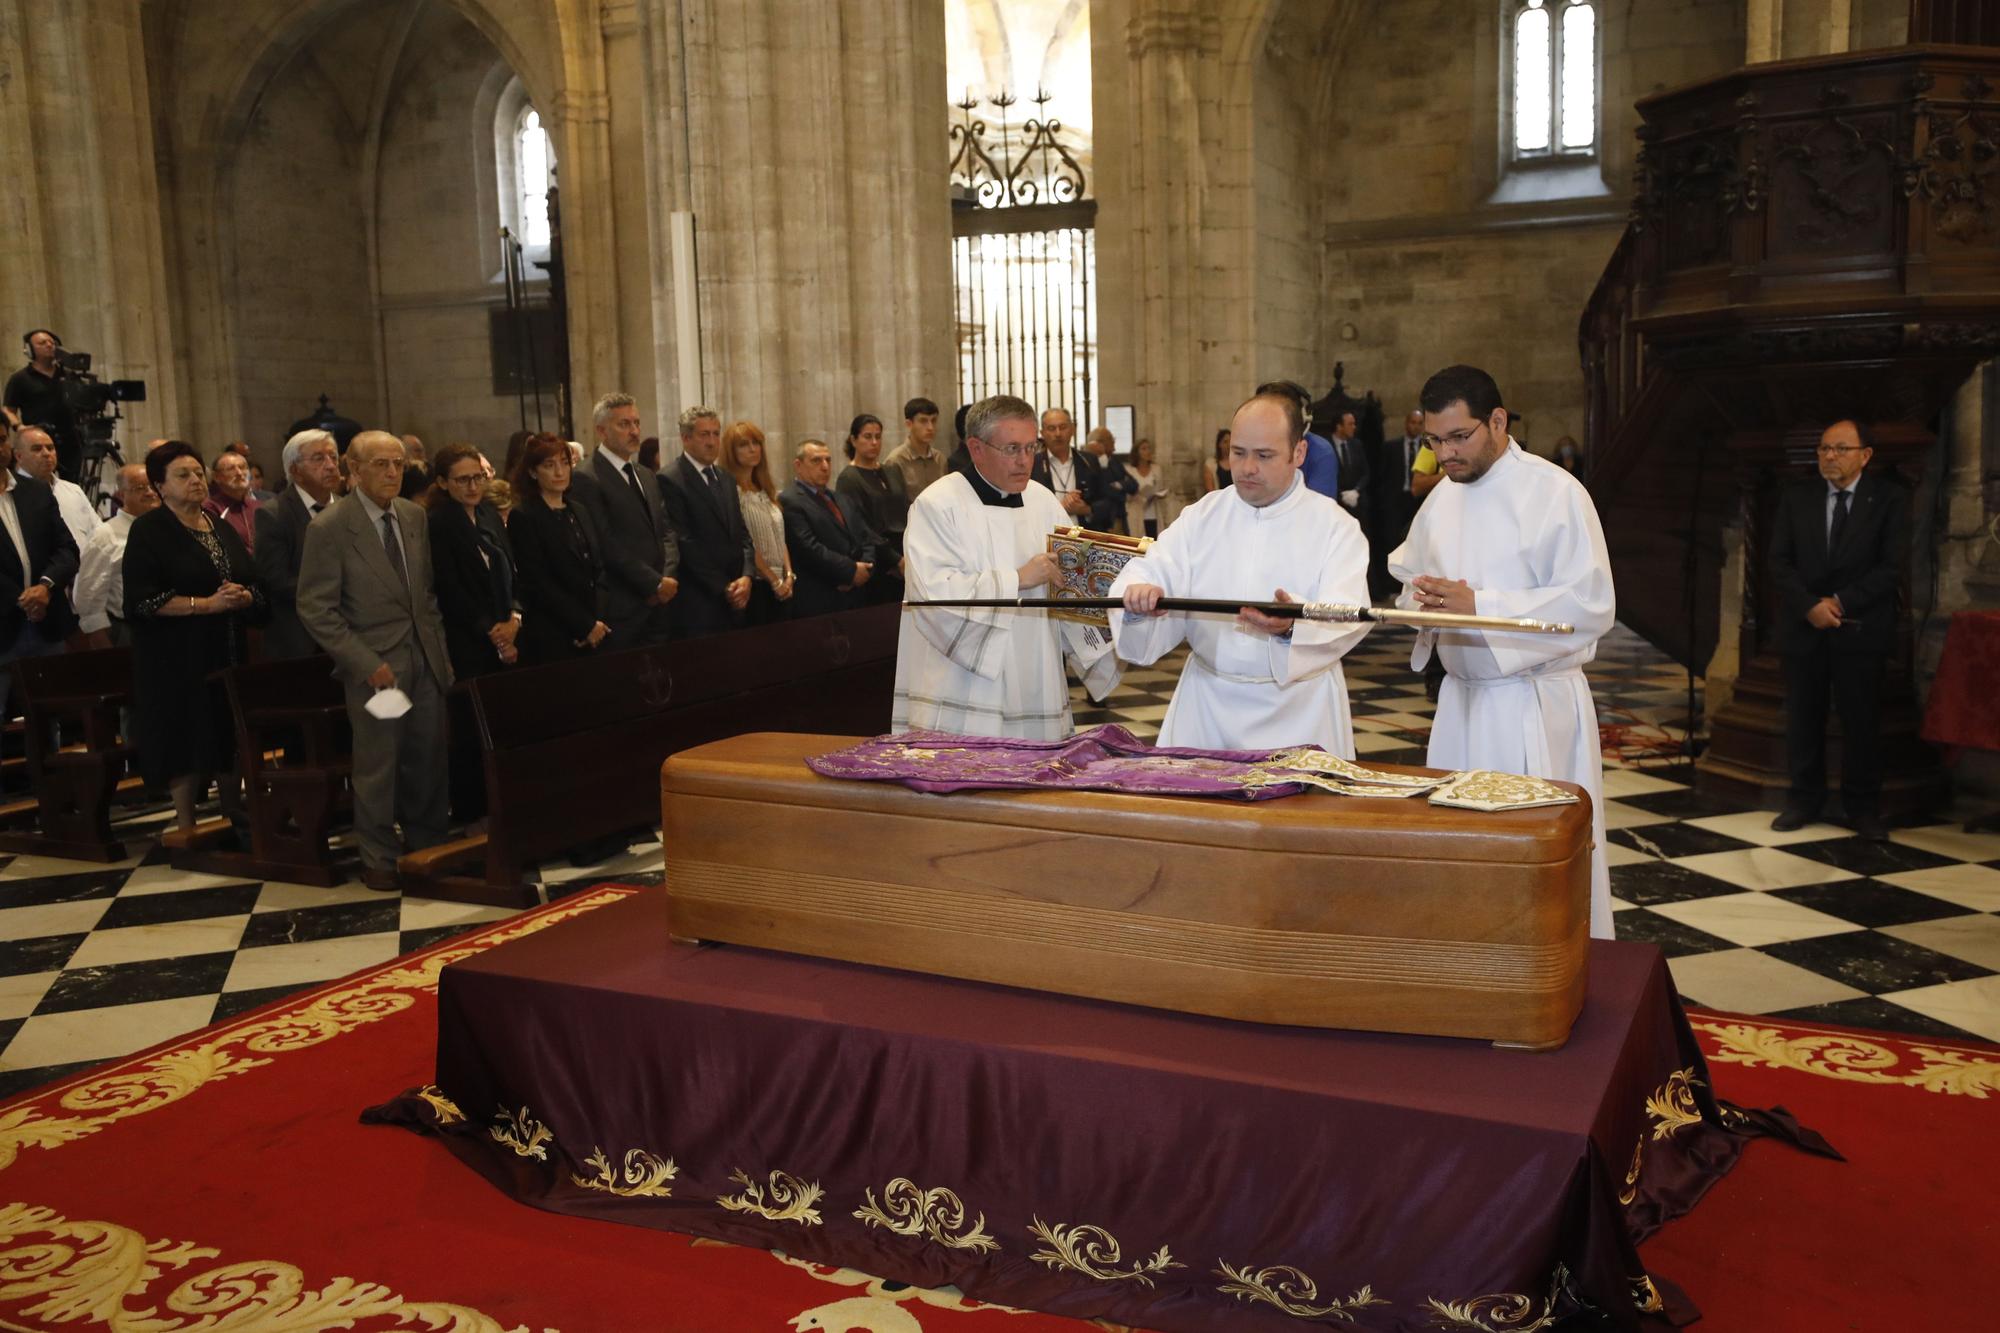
(222, 1181)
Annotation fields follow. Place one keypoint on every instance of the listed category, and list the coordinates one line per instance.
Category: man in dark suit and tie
(1836, 558)
(1353, 458)
(38, 563)
(703, 506)
(366, 595)
(1399, 492)
(312, 461)
(641, 553)
(828, 540)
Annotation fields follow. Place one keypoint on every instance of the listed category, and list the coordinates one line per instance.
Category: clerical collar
(989, 494)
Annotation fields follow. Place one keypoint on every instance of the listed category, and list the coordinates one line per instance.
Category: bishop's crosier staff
(1338, 613)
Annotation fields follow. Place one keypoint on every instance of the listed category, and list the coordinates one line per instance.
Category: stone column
(813, 155)
(1173, 115)
(80, 227)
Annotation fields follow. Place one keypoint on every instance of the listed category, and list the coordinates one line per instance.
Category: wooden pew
(73, 785)
(294, 752)
(572, 751)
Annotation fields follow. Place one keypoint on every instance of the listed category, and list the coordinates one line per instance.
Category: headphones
(27, 340)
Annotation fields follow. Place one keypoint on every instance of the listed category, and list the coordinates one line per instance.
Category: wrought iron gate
(1023, 262)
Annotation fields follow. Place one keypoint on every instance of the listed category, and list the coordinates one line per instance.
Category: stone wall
(299, 289)
(1431, 253)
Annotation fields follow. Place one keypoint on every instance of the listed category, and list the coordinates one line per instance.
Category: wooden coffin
(1388, 915)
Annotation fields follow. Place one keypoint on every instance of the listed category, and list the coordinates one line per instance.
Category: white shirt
(1244, 690)
(100, 580)
(1062, 474)
(77, 515)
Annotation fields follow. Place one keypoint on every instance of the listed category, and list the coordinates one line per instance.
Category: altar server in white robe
(983, 532)
(1509, 534)
(1254, 682)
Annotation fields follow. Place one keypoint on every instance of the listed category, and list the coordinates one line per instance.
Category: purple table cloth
(1087, 1159)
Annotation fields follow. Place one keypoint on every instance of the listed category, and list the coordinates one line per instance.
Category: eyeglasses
(1455, 439)
(1835, 450)
(1011, 452)
(465, 478)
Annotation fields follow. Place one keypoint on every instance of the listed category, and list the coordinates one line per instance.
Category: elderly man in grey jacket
(366, 595)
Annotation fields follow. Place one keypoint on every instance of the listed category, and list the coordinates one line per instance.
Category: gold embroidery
(1291, 1291)
(444, 1107)
(1647, 1296)
(894, 1293)
(527, 1136)
(1094, 1252)
(167, 1078)
(1631, 1190)
(1482, 790)
(103, 1273)
(1507, 1312)
(646, 1176)
(937, 1213)
(1673, 1106)
(1958, 1073)
(792, 1199)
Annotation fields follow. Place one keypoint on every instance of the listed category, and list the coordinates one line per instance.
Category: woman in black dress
(557, 558)
(883, 498)
(190, 595)
(473, 565)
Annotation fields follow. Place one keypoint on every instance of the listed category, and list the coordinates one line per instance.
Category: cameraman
(36, 392)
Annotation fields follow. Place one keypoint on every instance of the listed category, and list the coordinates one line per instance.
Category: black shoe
(1869, 828)
(1792, 820)
(381, 879)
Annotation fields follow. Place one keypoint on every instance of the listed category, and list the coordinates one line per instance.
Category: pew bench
(572, 751)
(68, 812)
(294, 754)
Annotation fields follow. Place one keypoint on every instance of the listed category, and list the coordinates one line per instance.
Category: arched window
(534, 161)
(1554, 102)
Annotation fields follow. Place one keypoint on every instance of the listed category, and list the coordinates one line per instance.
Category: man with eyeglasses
(1836, 557)
(983, 671)
(1256, 682)
(1509, 534)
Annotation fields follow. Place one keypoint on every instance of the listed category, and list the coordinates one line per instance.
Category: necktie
(1839, 526)
(639, 493)
(395, 548)
(831, 507)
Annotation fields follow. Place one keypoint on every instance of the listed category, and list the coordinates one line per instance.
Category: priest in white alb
(982, 533)
(1252, 682)
(1509, 534)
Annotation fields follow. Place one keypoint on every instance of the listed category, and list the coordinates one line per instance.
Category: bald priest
(979, 533)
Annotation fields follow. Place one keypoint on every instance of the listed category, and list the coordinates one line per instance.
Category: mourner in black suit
(1065, 471)
(826, 535)
(1836, 558)
(639, 551)
(473, 564)
(557, 563)
(472, 568)
(37, 566)
(700, 496)
(312, 461)
(1114, 482)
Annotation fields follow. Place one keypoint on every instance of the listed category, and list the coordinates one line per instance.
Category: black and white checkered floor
(98, 961)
